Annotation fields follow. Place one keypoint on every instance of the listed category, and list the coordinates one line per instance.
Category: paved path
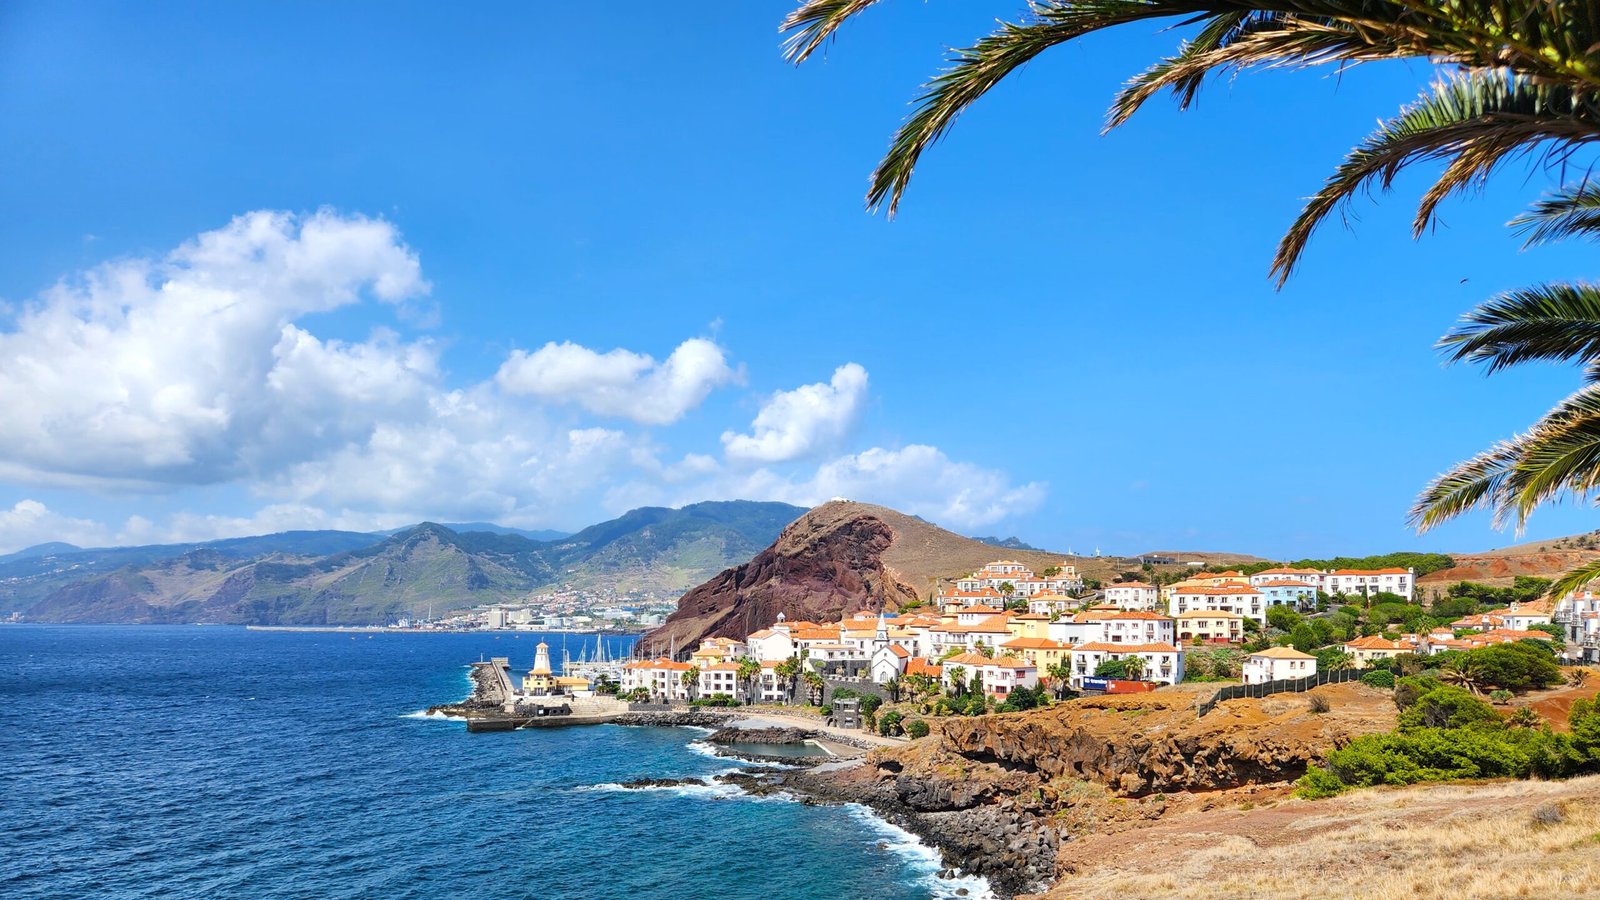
(779, 720)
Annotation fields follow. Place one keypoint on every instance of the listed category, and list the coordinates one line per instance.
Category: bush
(1378, 678)
(917, 729)
(1518, 666)
(715, 700)
(1408, 689)
(889, 723)
(1319, 784)
(1437, 754)
(1318, 703)
(1446, 707)
(1501, 696)
(826, 711)
(1112, 668)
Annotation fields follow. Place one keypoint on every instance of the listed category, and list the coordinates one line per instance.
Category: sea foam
(922, 857)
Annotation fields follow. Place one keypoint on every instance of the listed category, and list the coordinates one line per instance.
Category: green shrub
(917, 729)
(1446, 707)
(1409, 688)
(1501, 696)
(1318, 784)
(1518, 666)
(889, 723)
(1378, 678)
(827, 711)
(1112, 668)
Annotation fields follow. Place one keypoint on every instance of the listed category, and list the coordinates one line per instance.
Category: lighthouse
(538, 682)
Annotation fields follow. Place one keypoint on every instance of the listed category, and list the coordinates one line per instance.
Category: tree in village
(749, 675)
(691, 681)
(1006, 590)
(1514, 80)
(958, 683)
(1133, 667)
(1060, 673)
(814, 687)
(789, 671)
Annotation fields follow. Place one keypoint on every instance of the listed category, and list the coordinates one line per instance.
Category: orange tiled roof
(1104, 647)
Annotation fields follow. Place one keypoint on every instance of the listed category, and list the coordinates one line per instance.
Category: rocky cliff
(1007, 796)
(821, 567)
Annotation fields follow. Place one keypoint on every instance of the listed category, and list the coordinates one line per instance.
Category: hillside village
(1005, 629)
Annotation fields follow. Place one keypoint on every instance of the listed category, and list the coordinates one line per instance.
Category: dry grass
(1522, 839)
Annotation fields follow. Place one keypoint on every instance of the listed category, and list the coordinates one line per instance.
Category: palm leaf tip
(814, 22)
(1576, 579)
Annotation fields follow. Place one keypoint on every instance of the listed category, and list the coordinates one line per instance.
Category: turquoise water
(205, 762)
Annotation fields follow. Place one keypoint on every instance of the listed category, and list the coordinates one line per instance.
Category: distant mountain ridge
(1010, 543)
(349, 578)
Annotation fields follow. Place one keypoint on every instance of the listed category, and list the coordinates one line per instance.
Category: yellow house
(1209, 626)
(1041, 651)
(1029, 625)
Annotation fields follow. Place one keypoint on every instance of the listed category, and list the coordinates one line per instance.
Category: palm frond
(1475, 119)
(814, 23)
(1552, 322)
(1576, 579)
(1474, 484)
(1239, 41)
(1559, 455)
(1573, 211)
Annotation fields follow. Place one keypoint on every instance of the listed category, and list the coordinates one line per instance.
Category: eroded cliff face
(1004, 796)
(817, 570)
(1142, 745)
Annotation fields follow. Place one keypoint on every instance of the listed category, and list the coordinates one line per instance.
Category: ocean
(146, 761)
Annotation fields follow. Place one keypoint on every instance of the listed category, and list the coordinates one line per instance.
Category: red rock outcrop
(821, 567)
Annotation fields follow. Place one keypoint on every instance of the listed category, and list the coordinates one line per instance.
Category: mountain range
(336, 577)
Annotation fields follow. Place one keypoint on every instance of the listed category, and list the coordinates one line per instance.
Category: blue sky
(300, 265)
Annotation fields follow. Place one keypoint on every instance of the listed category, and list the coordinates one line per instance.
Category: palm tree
(815, 687)
(958, 680)
(1337, 662)
(1006, 590)
(1525, 73)
(1522, 80)
(1133, 667)
(893, 687)
(1060, 673)
(691, 681)
(789, 671)
(749, 672)
(1523, 717)
(1462, 672)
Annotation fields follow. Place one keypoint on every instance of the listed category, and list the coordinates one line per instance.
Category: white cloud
(916, 479)
(203, 368)
(798, 423)
(188, 369)
(620, 382)
(30, 522)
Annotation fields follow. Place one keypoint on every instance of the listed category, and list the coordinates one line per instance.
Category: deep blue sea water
(220, 762)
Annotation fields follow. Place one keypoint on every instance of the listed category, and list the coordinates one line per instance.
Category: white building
(773, 643)
(1000, 675)
(1276, 663)
(1022, 580)
(1293, 593)
(1366, 582)
(722, 678)
(663, 678)
(1579, 614)
(1234, 597)
(1162, 662)
(1133, 595)
(1210, 627)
